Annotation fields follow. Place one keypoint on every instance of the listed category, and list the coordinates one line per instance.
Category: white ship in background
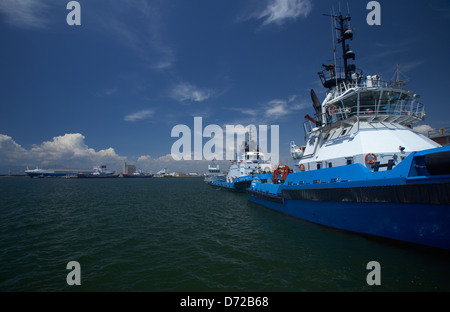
(249, 165)
(55, 172)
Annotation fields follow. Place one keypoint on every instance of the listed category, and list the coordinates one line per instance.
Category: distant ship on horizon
(138, 174)
(99, 172)
(55, 172)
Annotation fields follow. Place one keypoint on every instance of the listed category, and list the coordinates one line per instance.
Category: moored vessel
(214, 174)
(247, 166)
(138, 174)
(55, 172)
(98, 172)
(363, 168)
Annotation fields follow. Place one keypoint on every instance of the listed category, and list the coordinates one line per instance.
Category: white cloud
(144, 158)
(424, 129)
(109, 92)
(411, 65)
(69, 150)
(72, 147)
(26, 13)
(188, 92)
(146, 38)
(279, 11)
(276, 109)
(140, 115)
(271, 111)
(9, 149)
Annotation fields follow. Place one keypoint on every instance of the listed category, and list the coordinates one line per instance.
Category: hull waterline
(400, 204)
(421, 224)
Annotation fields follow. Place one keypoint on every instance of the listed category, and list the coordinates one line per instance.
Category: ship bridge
(352, 97)
(371, 100)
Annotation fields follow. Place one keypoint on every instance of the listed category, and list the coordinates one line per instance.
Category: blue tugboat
(363, 168)
(213, 174)
(248, 166)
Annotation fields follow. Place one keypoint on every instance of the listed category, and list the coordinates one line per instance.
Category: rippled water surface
(179, 234)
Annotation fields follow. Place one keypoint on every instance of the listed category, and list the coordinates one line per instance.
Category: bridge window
(368, 102)
(350, 105)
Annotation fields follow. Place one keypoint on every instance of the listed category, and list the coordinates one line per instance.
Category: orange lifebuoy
(301, 167)
(332, 110)
(370, 158)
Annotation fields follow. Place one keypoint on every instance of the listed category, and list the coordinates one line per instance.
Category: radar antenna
(399, 79)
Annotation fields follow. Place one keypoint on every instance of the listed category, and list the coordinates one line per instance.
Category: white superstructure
(214, 174)
(249, 163)
(362, 119)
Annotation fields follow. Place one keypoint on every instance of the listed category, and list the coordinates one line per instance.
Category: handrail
(402, 108)
(401, 111)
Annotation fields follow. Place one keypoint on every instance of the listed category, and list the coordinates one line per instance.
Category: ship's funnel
(316, 103)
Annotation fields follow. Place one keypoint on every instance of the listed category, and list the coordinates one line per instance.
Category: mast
(400, 78)
(344, 33)
(346, 52)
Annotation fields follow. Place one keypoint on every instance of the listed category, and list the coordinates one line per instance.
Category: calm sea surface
(179, 234)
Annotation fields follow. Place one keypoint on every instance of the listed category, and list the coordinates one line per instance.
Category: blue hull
(240, 184)
(407, 203)
(413, 223)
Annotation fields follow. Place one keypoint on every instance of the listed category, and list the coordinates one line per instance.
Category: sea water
(181, 235)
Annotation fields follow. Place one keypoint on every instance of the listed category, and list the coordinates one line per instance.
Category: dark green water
(179, 234)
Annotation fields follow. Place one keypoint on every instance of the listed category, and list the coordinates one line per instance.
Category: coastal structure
(128, 169)
(138, 174)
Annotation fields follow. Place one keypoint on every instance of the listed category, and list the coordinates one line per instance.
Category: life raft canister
(370, 158)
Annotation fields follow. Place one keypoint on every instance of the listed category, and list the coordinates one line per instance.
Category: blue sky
(112, 89)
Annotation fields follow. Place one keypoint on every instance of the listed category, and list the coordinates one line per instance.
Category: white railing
(410, 110)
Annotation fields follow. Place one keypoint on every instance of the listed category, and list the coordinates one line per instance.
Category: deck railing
(403, 108)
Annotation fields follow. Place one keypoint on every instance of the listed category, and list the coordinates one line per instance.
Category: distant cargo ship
(55, 173)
